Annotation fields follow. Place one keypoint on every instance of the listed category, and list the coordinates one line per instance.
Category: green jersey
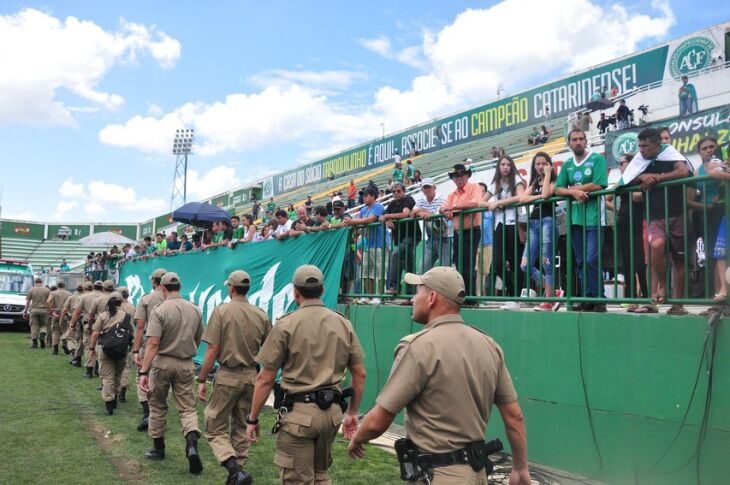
(398, 175)
(238, 233)
(592, 170)
(217, 237)
(271, 207)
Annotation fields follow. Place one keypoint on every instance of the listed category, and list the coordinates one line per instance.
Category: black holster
(346, 394)
(411, 467)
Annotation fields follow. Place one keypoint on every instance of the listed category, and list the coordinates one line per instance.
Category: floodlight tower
(182, 146)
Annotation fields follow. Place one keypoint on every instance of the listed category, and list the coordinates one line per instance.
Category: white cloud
(64, 207)
(337, 80)
(21, 216)
(42, 54)
(215, 181)
(381, 45)
(71, 190)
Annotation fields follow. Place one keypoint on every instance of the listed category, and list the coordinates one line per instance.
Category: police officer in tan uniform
(447, 377)
(97, 308)
(110, 369)
(141, 316)
(69, 337)
(173, 334)
(76, 324)
(83, 312)
(38, 318)
(234, 334)
(55, 303)
(313, 346)
(131, 310)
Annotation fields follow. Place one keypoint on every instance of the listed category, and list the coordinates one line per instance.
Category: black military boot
(64, 346)
(55, 349)
(191, 451)
(123, 394)
(114, 402)
(76, 362)
(43, 340)
(96, 368)
(35, 344)
(143, 425)
(236, 476)
(158, 452)
(109, 408)
(89, 373)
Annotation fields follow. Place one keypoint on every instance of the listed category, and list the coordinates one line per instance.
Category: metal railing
(551, 248)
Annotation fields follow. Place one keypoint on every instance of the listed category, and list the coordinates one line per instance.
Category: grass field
(53, 430)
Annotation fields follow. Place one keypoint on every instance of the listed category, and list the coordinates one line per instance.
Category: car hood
(12, 298)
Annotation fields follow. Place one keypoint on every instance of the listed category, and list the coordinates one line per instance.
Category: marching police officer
(77, 317)
(173, 334)
(69, 337)
(313, 346)
(234, 334)
(448, 362)
(38, 318)
(86, 305)
(131, 310)
(55, 303)
(141, 316)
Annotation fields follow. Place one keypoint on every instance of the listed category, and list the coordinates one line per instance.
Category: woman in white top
(247, 222)
(506, 188)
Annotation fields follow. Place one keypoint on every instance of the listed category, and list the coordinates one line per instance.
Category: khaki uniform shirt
(99, 305)
(58, 298)
(38, 296)
(313, 346)
(105, 321)
(240, 329)
(447, 377)
(179, 325)
(147, 303)
(129, 308)
(70, 304)
(86, 302)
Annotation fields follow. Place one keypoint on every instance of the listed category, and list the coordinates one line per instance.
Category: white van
(16, 280)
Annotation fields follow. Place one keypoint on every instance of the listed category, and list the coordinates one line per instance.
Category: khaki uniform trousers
(127, 369)
(141, 395)
(111, 375)
(58, 330)
(167, 372)
(304, 444)
(457, 475)
(79, 339)
(38, 323)
(230, 403)
(89, 357)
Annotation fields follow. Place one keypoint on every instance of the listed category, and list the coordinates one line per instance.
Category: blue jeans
(437, 248)
(540, 238)
(589, 286)
(401, 259)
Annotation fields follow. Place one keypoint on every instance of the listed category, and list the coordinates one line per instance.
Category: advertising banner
(271, 265)
(71, 232)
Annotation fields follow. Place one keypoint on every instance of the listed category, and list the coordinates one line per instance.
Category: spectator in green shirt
(270, 206)
(398, 173)
(238, 230)
(160, 243)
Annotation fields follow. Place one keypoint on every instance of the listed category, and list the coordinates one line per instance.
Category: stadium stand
(47, 254)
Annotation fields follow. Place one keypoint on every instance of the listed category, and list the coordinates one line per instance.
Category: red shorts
(673, 228)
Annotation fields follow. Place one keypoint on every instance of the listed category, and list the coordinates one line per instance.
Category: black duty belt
(311, 397)
(238, 367)
(458, 457)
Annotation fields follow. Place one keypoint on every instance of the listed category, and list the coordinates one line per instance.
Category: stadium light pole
(182, 146)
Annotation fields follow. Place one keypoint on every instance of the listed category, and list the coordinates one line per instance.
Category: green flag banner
(271, 265)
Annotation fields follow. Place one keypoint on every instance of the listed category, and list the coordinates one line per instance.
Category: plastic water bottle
(450, 228)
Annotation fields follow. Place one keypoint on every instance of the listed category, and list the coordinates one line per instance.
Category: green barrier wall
(639, 374)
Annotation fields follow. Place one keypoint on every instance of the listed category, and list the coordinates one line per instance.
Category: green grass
(53, 430)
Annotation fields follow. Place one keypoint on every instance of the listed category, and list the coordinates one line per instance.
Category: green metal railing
(421, 244)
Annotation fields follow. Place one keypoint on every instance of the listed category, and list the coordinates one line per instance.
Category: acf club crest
(691, 55)
(626, 143)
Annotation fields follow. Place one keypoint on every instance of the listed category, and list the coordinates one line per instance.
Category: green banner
(71, 232)
(126, 230)
(21, 230)
(271, 265)
(685, 132)
(147, 229)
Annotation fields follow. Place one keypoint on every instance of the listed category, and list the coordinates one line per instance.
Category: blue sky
(91, 92)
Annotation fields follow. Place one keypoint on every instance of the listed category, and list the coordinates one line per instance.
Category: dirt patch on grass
(128, 470)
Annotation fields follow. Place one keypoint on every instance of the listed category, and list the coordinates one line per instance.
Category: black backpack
(115, 341)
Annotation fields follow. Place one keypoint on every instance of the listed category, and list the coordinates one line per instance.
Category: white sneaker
(511, 305)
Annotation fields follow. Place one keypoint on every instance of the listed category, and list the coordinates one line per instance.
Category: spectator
(255, 208)
(542, 228)
(339, 215)
(547, 115)
(582, 173)
(374, 240)
(630, 214)
(160, 243)
(302, 224)
(382, 193)
(267, 217)
(596, 96)
(687, 98)
(285, 223)
(237, 231)
(206, 239)
(507, 188)
(653, 164)
(351, 194)
(574, 121)
(466, 196)
(417, 177)
(172, 243)
(405, 236)
(147, 245)
(486, 246)
(389, 186)
(249, 229)
(397, 175)
(185, 245)
(308, 205)
(622, 115)
(603, 124)
(438, 245)
(585, 121)
(614, 91)
(270, 206)
(410, 172)
(224, 235)
(320, 222)
(719, 253)
(128, 251)
(532, 137)
(64, 266)
(544, 134)
(665, 134)
(495, 152)
(291, 212)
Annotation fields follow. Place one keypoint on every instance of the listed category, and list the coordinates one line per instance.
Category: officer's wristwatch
(251, 421)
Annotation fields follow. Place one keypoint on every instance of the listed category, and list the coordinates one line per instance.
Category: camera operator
(603, 124)
(622, 115)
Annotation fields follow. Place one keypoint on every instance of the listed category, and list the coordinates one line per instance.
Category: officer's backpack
(115, 341)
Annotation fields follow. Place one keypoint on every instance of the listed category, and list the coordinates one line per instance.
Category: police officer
(446, 363)
(110, 369)
(83, 312)
(144, 308)
(234, 334)
(313, 346)
(76, 325)
(38, 318)
(55, 302)
(173, 334)
(69, 337)
(97, 308)
(131, 310)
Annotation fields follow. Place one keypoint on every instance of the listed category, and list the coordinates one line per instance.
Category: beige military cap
(443, 280)
(170, 279)
(308, 276)
(239, 278)
(88, 285)
(158, 273)
(108, 285)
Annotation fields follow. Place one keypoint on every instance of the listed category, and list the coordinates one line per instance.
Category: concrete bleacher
(48, 253)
